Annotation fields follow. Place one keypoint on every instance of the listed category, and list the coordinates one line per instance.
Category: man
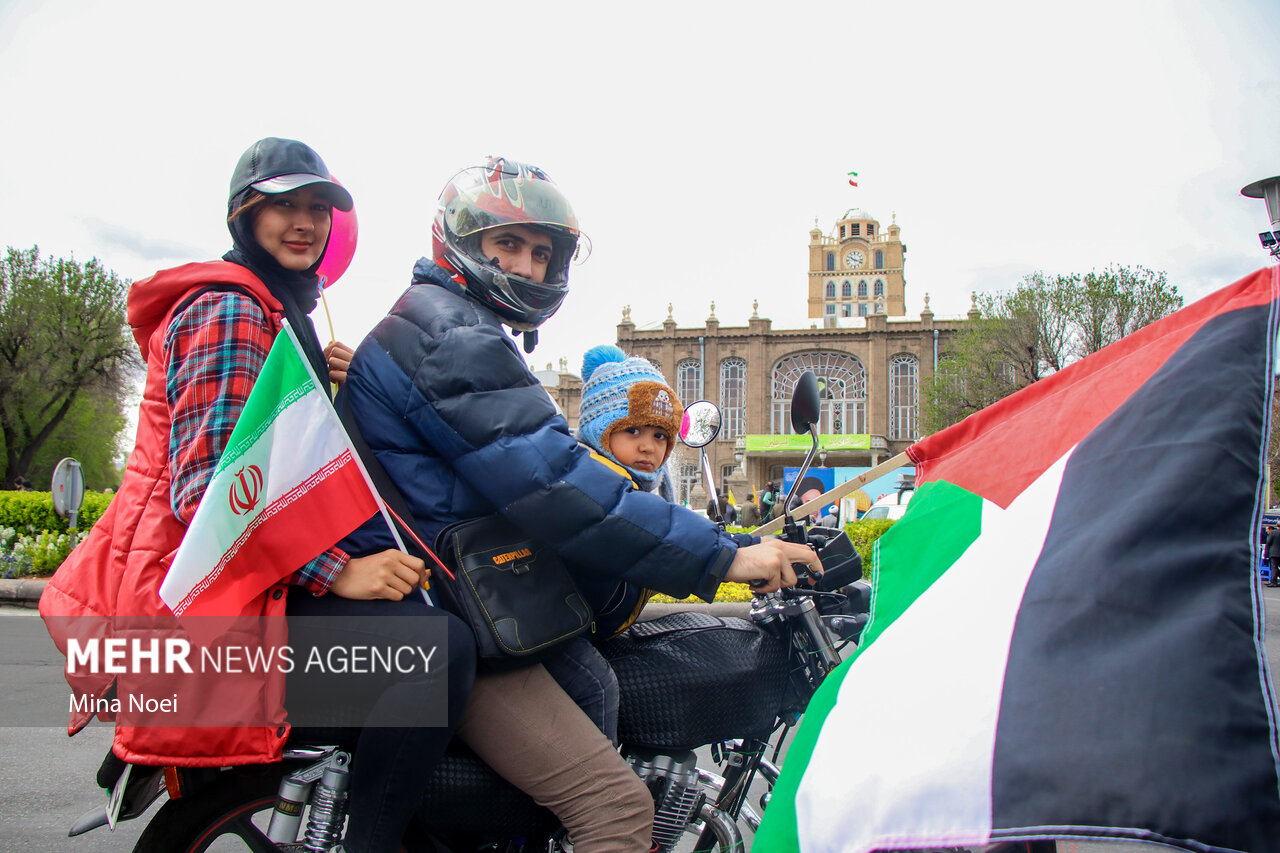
(1273, 554)
(767, 499)
(449, 407)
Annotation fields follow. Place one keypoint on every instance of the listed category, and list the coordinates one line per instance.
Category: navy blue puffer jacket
(446, 402)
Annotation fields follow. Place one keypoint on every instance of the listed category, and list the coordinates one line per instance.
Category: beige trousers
(527, 729)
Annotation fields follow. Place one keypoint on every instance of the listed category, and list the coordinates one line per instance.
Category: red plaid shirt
(216, 347)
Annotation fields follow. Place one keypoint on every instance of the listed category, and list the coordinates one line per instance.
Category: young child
(629, 414)
(629, 419)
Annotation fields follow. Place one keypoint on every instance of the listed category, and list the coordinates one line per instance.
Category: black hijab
(297, 291)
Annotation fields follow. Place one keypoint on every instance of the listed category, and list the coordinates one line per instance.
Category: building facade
(871, 362)
(857, 270)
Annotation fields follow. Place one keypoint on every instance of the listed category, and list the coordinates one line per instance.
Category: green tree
(1037, 329)
(1118, 301)
(67, 361)
(93, 432)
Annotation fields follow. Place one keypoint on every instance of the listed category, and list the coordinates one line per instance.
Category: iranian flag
(1066, 632)
(288, 487)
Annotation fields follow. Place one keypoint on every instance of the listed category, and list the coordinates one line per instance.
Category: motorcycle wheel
(221, 813)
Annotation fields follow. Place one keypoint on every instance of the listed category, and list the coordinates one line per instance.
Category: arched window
(862, 289)
(879, 259)
(831, 290)
(688, 477)
(879, 287)
(831, 261)
(657, 365)
(733, 397)
(846, 290)
(844, 394)
(904, 395)
(689, 380)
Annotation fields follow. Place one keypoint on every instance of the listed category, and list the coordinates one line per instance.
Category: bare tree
(1037, 329)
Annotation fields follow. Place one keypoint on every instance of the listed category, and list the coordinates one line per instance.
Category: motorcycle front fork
(743, 760)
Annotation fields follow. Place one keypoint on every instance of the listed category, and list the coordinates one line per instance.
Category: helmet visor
(506, 193)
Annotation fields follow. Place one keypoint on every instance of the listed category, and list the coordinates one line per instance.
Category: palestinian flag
(288, 486)
(1066, 634)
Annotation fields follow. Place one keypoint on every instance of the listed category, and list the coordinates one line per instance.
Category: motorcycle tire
(223, 808)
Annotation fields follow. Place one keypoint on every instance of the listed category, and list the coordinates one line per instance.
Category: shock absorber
(328, 806)
(286, 817)
(295, 790)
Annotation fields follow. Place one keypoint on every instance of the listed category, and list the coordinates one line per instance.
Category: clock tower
(857, 270)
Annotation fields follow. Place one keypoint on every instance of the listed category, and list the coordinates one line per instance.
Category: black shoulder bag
(515, 594)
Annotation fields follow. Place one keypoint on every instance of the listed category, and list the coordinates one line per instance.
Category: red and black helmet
(504, 192)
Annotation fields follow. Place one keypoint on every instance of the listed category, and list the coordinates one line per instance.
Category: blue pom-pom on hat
(596, 356)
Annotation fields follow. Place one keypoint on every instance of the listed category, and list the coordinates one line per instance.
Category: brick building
(871, 359)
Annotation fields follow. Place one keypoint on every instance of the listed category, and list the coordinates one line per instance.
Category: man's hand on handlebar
(388, 574)
(767, 566)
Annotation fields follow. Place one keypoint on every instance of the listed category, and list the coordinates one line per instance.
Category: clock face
(853, 260)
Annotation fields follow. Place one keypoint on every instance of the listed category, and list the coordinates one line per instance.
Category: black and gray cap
(275, 165)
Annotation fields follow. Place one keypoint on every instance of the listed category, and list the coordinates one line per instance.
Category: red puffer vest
(108, 587)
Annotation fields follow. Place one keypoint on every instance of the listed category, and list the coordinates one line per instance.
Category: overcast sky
(697, 140)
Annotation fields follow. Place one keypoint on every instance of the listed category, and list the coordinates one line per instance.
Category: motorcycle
(688, 680)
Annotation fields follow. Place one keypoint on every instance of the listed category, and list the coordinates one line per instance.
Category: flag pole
(382, 506)
(836, 494)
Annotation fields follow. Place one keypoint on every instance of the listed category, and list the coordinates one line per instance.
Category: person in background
(768, 498)
(749, 515)
(1273, 555)
(719, 507)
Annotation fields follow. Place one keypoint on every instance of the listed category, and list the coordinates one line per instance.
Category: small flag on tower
(852, 179)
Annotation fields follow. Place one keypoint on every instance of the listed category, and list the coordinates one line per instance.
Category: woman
(205, 330)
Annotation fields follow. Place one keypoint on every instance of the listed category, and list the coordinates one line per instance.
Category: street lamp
(1269, 190)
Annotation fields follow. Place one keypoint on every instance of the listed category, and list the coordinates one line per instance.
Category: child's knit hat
(620, 392)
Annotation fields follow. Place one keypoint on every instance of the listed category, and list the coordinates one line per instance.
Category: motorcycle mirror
(805, 405)
(701, 423)
(806, 408)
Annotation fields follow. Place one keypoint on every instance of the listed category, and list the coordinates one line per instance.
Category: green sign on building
(802, 443)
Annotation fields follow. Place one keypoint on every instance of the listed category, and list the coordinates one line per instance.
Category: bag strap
(391, 496)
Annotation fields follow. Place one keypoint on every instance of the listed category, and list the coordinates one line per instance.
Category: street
(47, 779)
